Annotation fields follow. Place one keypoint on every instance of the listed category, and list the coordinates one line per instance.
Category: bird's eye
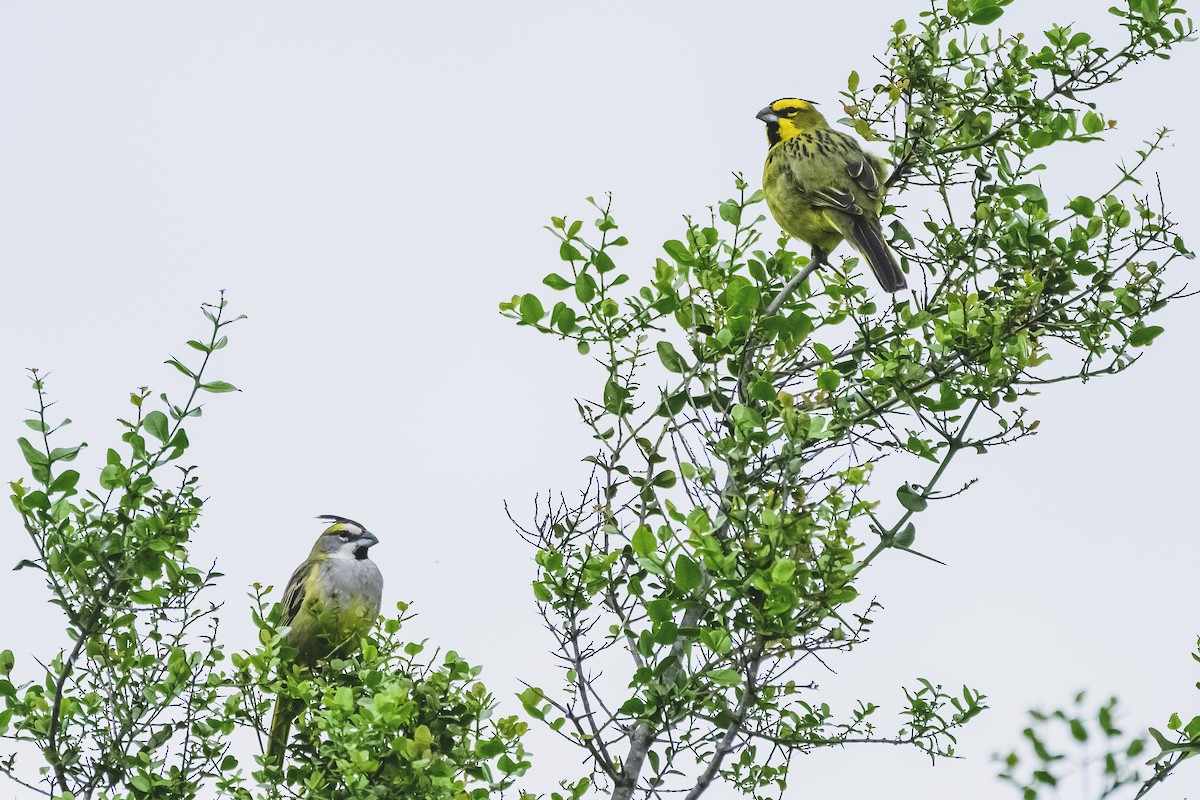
(791, 112)
(344, 536)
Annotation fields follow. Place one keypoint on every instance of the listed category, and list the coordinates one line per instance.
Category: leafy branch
(749, 393)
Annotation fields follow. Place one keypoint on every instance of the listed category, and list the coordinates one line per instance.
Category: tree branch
(725, 746)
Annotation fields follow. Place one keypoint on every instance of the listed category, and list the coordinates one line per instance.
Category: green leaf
(987, 16)
(687, 574)
(603, 262)
(219, 387)
(1150, 10)
(65, 482)
(556, 281)
(666, 632)
(910, 499)
(1031, 191)
(1092, 122)
(671, 406)
(829, 380)
(906, 537)
(37, 425)
(863, 129)
(746, 417)
(671, 358)
(1084, 206)
(179, 441)
(822, 352)
(678, 251)
(422, 736)
(36, 500)
(1165, 744)
(585, 288)
(1079, 40)
(633, 706)
(852, 81)
(717, 639)
(177, 364)
(530, 309)
(489, 748)
(644, 542)
(61, 509)
(731, 212)
(664, 480)
(614, 396)
(563, 318)
(763, 391)
(110, 476)
(66, 453)
(1144, 336)
(1040, 139)
(659, 609)
(567, 252)
(157, 425)
(725, 677)
(33, 456)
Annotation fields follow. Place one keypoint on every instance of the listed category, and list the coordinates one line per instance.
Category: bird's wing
(862, 172)
(838, 199)
(293, 595)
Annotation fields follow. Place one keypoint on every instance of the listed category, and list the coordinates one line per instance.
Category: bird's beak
(767, 115)
(368, 539)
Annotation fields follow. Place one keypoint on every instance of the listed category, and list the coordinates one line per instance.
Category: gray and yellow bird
(822, 187)
(331, 601)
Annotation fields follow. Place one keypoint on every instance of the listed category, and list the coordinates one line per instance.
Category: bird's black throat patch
(773, 137)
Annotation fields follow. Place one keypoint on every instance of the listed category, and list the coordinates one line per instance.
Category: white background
(367, 180)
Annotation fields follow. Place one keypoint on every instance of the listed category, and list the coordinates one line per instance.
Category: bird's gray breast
(347, 580)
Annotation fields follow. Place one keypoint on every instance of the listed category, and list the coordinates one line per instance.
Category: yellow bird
(331, 601)
(822, 187)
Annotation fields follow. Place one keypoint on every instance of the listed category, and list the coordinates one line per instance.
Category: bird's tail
(286, 709)
(867, 238)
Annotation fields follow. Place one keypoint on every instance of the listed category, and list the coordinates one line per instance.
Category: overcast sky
(367, 180)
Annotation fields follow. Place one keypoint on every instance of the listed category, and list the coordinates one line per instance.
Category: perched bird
(822, 187)
(331, 601)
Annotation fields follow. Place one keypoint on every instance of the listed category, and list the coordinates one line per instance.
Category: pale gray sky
(368, 180)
